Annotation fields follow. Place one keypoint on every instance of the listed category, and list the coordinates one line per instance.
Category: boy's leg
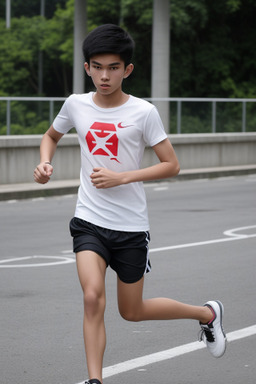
(132, 306)
(91, 271)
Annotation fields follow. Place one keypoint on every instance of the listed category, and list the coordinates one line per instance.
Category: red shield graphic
(102, 139)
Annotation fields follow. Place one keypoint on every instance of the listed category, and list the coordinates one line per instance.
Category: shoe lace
(208, 334)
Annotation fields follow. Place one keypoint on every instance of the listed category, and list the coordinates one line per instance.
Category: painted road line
(231, 233)
(9, 263)
(168, 354)
(171, 353)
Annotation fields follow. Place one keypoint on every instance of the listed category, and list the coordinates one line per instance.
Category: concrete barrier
(20, 154)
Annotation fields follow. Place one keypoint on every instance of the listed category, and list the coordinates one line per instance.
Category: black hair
(109, 38)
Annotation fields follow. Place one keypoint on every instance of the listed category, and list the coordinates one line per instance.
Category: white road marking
(156, 185)
(8, 263)
(69, 252)
(231, 233)
(181, 350)
(161, 188)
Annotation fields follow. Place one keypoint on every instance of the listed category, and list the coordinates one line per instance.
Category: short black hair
(109, 38)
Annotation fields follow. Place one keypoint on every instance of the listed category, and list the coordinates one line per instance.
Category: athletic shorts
(125, 252)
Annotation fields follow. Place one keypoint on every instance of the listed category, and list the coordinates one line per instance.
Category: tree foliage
(30, 8)
(212, 46)
(213, 57)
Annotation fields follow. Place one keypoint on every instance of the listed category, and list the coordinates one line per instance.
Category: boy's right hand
(43, 172)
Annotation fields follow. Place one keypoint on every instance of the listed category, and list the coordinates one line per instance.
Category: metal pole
(244, 117)
(160, 85)
(8, 117)
(40, 55)
(8, 13)
(80, 29)
(51, 111)
(42, 8)
(214, 117)
(179, 116)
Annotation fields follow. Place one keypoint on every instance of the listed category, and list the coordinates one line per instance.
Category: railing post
(214, 116)
(244, 117)
(51, 112)
(8, 117)
(179, 116)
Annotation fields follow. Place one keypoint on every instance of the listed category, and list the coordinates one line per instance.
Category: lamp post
(40, 55)
(80, 29)
(8, 13)
(161, 57)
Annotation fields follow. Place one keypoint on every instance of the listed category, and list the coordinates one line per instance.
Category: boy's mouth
(104, 86)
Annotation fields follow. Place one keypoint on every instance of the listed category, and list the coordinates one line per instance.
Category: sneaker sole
(221, 326)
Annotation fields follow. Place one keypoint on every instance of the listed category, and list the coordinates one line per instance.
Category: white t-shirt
(113, 138)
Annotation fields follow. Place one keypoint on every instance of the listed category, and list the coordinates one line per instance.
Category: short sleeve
(63, 122)
(154, 131)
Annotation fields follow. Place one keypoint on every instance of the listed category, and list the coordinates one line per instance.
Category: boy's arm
(167, 167)
(49, 142)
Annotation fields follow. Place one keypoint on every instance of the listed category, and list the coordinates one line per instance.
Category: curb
(66, 187)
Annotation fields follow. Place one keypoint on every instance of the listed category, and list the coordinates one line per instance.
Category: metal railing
(49, 100)
(213, 102)
(175, 115)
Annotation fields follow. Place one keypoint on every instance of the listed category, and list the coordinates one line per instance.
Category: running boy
(111, 226)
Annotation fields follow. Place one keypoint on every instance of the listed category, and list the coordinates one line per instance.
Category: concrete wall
(20, 154)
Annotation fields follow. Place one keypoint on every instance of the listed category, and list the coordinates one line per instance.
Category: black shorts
(125, 252)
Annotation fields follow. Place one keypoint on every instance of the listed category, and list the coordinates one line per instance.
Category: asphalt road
(203, 247)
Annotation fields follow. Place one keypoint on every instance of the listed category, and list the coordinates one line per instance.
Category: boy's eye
(98, 67)
(95, 66)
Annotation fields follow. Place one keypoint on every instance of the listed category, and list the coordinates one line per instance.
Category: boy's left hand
(104, 178)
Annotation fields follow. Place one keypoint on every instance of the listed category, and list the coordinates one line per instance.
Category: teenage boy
(111, 226)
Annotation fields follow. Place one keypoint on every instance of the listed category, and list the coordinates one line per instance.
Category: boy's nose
(104, 75)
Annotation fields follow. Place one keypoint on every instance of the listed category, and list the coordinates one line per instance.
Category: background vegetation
(212, 52)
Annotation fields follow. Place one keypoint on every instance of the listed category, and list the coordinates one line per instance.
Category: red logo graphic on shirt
(120, 125)
(102, 140)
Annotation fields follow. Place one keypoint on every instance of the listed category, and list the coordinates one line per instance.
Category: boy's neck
(110, 101)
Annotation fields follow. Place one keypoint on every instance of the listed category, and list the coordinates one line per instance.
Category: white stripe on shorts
(148, 266)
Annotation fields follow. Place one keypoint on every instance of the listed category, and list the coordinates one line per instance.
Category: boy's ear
(128, 70)
(87, 68)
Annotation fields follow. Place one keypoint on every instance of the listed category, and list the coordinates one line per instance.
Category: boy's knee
(129, 315)
(94, 303)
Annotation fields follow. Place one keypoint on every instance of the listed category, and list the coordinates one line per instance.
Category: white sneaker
(212, 333)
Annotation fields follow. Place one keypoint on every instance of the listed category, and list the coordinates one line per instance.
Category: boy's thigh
(91, 269)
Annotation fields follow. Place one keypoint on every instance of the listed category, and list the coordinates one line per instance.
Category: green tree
(58, 48)
(212, 53)
(19, 55)
(30, 8)
(212, 46)
(20, 46)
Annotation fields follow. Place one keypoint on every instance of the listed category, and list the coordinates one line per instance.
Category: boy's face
(107, 72)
